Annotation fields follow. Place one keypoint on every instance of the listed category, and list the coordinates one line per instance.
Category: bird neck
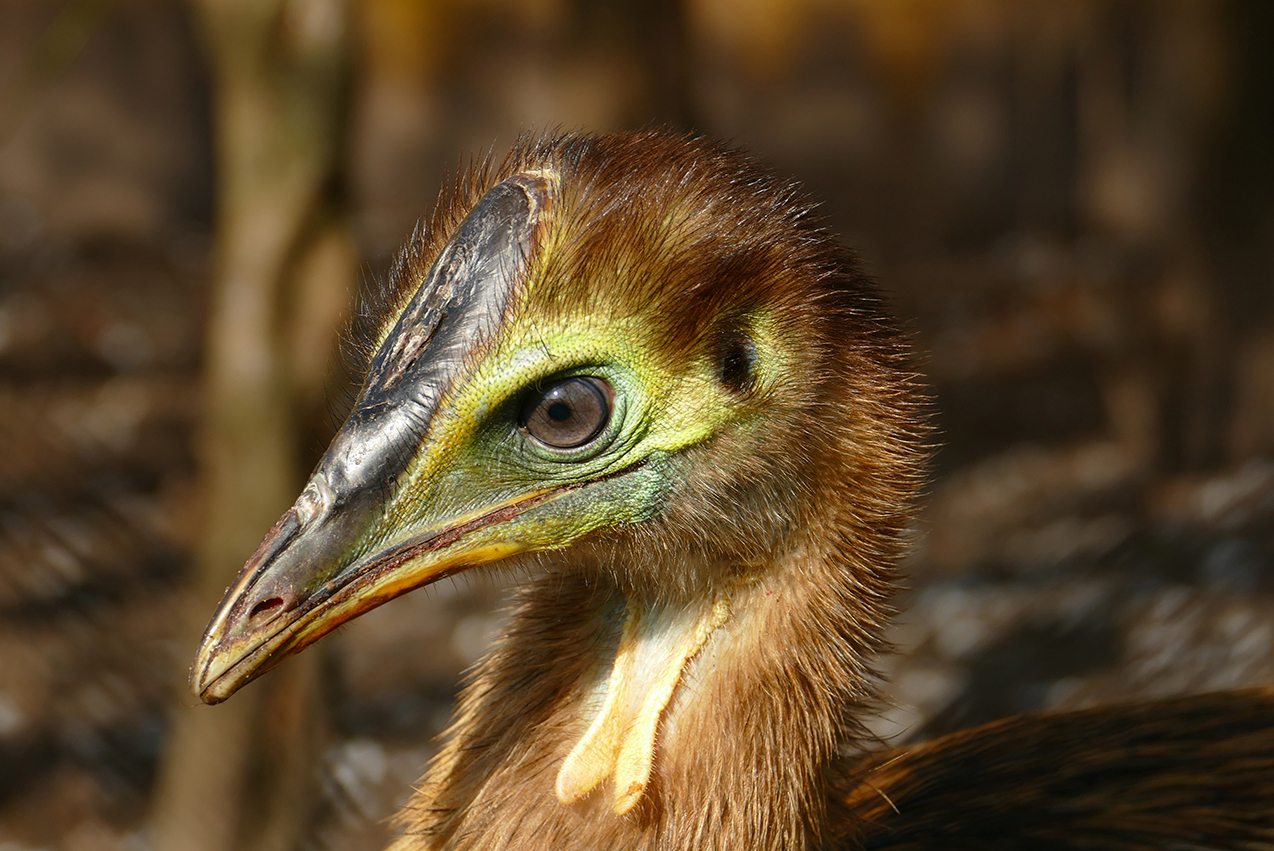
(605, 719)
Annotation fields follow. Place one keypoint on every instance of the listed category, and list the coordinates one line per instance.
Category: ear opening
(735, 356)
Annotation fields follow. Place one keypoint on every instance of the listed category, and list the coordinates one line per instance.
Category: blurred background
(1070, 204)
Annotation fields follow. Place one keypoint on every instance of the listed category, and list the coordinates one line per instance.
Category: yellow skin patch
(656, 646)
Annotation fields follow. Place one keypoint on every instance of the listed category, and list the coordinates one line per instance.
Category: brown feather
(1193, 772)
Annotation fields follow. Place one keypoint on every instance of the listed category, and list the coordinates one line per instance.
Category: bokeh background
(1071, 205)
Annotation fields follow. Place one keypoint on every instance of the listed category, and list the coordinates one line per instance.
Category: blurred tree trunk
(240, 776)
(1148, 96)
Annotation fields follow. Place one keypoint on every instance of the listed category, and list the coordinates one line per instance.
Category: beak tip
(203, 684)
(208, 692)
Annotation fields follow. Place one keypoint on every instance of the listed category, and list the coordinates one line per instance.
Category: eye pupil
(568, 414)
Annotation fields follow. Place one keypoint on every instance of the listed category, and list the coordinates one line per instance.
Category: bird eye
(568, 414)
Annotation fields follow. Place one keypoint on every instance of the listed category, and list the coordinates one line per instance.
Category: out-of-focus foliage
(1072, 204)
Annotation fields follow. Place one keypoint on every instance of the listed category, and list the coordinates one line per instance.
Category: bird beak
(328, 559)
(292, 592)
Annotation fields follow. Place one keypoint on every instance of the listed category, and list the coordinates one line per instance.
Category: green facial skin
(488, 490)
(477, 456)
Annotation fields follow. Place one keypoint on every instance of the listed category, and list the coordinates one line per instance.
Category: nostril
(265, 607)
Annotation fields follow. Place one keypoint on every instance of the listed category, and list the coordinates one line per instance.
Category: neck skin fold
(754, 713)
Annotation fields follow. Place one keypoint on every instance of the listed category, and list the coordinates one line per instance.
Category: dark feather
(1189, 773)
